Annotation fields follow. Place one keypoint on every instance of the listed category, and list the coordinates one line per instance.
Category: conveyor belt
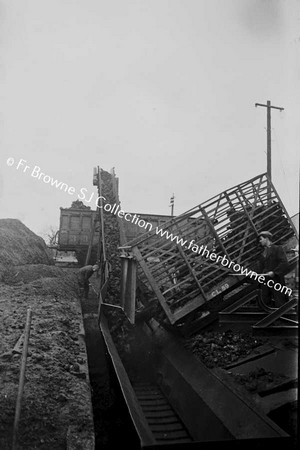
(162, 419)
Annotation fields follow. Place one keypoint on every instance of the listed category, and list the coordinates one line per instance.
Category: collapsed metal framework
(176, 263)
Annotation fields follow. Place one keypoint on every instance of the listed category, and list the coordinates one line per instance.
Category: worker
(273, 264)
(84, 275)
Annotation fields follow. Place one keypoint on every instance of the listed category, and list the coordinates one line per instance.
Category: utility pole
(269, 160)
(172, 205)
(269, 154)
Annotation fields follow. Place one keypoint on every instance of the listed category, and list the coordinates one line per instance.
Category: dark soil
(56, 406)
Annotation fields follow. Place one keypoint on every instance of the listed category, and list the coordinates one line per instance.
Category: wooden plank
(188, 297)
(276, 314)
(250, 223)
(210, 266)
(88, 255)
(188, 308)
(240, 302)
(191, 271)
(217, 206)
(155, 249)
(101, 219)
(158, 265)
(285, 211)
(214, 233)
(212, 200)
(221, 287)
(124, 269)
(153, 284)
(175, 286)
(135, 410)
(130, 291)
(259, 189)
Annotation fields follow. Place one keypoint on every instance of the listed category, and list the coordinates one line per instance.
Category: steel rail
(21, 380)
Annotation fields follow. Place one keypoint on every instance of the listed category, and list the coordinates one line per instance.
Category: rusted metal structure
(195, 257)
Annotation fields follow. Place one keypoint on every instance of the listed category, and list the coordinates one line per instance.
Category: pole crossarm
(269, 106)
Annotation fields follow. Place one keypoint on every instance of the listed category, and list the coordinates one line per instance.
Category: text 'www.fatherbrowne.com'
(100, 202)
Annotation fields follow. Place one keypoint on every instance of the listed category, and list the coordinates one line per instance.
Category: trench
(112, 424)
(142, 365)
(166, 399)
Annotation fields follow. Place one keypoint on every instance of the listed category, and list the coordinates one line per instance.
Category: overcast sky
(162, 90)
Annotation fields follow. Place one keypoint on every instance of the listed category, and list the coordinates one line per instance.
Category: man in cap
(273, 264)
(84, 275)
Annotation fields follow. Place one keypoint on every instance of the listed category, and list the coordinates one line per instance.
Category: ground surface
(56, 407)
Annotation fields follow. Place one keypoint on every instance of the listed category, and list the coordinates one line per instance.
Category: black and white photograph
(149, 224)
